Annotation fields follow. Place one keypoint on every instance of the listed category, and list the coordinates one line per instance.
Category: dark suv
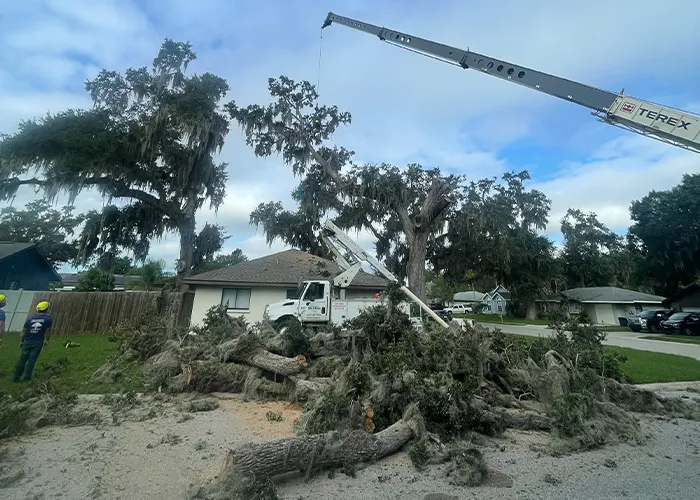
(649, 320)
(687, 323)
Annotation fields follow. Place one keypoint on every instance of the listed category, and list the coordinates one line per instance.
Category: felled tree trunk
(304, 389)
(517, 420)
(319, 451)
(260, 358)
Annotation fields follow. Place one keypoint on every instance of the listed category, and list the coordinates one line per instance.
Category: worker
(3, 302)
(35, 335)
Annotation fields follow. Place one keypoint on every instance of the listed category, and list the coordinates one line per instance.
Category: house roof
(283, 268)
(501, 290)
(684, 292)
(8, 248)
(610, 294)
(120, 280)
(469, 296)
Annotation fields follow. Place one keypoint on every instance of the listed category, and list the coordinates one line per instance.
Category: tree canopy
(39, 222)
(149, 140)
(402, 208)
(666, 231)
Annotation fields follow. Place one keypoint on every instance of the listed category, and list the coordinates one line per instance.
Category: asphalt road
(621, 339)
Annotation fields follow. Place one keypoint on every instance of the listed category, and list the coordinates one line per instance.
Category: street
(621, 339)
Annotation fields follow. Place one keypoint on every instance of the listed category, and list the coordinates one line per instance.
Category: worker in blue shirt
(3, 302)
(35, 335)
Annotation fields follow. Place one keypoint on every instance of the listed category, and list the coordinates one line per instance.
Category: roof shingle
(609, 294)
(283, 268)
(10, 248)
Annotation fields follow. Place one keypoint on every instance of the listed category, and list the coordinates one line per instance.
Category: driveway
(621, 339)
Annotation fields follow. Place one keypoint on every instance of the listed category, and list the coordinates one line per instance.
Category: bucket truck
(323, 302)
(664, 123)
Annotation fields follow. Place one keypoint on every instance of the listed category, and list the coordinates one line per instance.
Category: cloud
(406, 108)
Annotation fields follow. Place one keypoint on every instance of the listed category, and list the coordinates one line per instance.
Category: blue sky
(406, 108)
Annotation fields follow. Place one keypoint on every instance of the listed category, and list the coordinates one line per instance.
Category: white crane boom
(672, 126)
(334, 237)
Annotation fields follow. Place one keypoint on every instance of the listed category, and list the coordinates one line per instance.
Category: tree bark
(502, 419)
(318, 451)
(260, 358)
(187, 238)
(531, 312)
(304, 389)
(418, 251)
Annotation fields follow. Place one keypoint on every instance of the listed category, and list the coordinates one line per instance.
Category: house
(604, 305)
(687, 300)
(469, 298)
(496, 301)
(249, 286)
(121, 281)
(24, 266)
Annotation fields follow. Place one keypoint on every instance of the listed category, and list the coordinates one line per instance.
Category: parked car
(444, 312)
(460, 309)
(687, 323)
(649, 320)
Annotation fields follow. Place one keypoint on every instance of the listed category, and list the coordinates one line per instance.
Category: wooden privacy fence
(100, 312)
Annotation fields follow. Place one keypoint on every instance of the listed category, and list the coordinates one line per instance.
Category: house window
(236, 298)
(500, 307)
(574, 307)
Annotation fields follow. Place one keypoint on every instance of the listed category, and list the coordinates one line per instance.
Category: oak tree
(149, 141)
(401, 208)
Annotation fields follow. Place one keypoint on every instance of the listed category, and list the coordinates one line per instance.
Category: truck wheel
(284, 322)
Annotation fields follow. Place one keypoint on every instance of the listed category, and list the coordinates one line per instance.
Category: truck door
(314, 305)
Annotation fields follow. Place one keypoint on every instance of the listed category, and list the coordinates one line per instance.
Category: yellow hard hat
(3, 299)
(42, 306)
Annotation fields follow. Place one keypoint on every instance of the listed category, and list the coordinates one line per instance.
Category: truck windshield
(297, 293)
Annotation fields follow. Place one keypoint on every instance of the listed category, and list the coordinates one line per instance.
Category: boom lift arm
(663, 123)
(335, 238)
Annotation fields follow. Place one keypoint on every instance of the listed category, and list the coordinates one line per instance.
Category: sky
(405, 108)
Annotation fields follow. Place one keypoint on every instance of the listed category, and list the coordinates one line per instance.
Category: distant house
(24, 266)
(687, 300)
(121, 281)
(605, 305)
(496, 301)
(249, 286)
(470, 298)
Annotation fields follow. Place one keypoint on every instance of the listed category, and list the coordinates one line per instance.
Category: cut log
(320, 451)
(501, 419)
(255, 355)
(304, 389)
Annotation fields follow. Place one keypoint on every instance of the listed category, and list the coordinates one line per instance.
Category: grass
(495, 318)
(673, 338)
(513, 320)
(646, 367)
(70, 368)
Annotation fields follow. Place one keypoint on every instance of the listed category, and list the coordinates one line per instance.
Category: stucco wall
(208, 296)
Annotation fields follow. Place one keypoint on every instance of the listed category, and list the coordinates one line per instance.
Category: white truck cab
(316, 302)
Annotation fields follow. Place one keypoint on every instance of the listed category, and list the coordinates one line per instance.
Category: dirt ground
(163, 455)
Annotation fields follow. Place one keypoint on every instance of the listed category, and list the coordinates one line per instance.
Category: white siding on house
(207, 296)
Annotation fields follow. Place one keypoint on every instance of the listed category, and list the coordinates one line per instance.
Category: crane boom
(334, 238)
(663, 123)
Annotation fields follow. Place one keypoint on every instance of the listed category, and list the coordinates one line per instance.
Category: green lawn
(70, 368)
(512, 320)
(646, 367)
(674, 338)
(494, 318)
